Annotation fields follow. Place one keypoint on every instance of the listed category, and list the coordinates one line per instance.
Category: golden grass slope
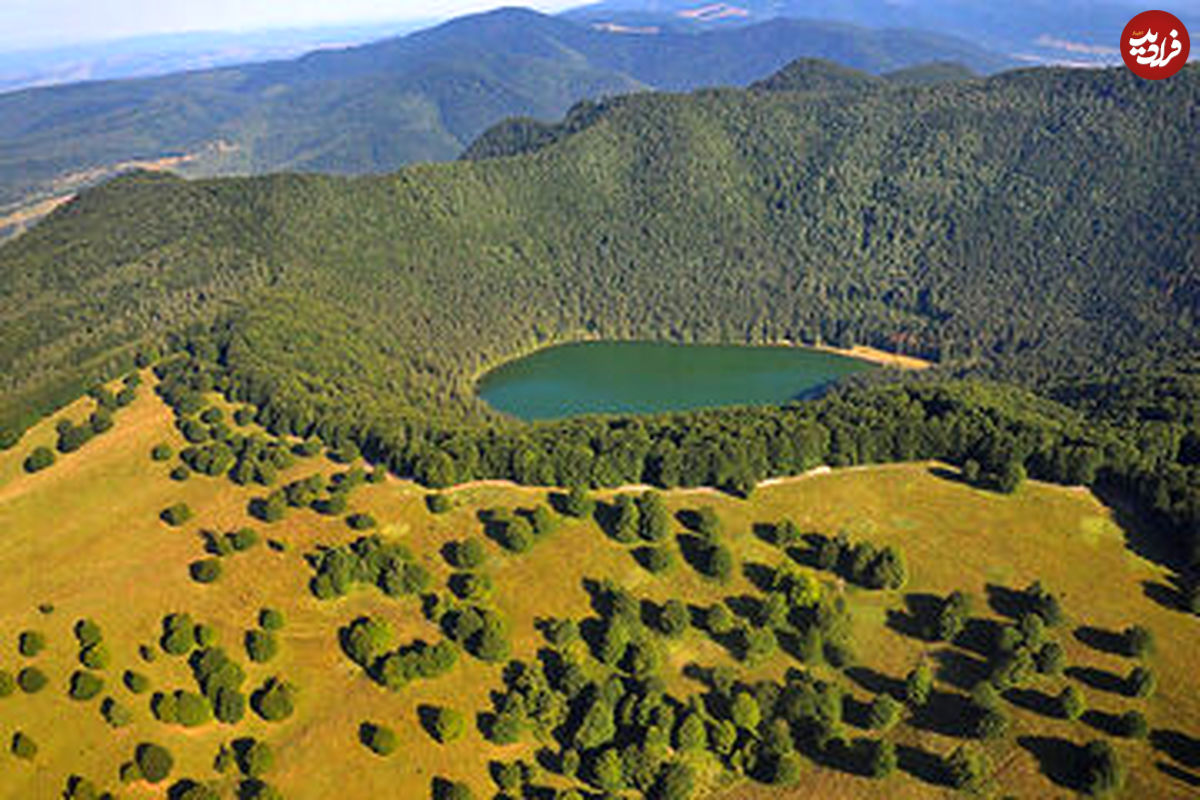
(84, 536)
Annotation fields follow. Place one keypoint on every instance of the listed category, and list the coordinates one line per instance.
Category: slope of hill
(422, 97)
(987, 224)
(114, 647)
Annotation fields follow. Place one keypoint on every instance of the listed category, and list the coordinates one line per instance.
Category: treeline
(996, 432)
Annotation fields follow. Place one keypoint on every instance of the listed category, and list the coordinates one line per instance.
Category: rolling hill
(421, 97)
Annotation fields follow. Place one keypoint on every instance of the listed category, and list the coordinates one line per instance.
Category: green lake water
(651, 377)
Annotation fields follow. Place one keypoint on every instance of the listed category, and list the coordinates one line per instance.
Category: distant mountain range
(422, 97)
(148, 56)
(1059, 31)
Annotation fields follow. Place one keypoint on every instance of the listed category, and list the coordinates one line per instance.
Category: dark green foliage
(883, 713)
(39, 459)
(270, 619)
(242, 539)
(23, 746)
(1050, 659)
(85, 685)
(261, 646)
(154, 761)
(360, 522)
(656, 559)
(136, 682)
(254, 757)
(918, 685)
(179, 634)
(87, 632)
(516, 535)
(1138, 641)
(1140, 683)
(626, 523)
(674, 618)
(543, 520)
(452, 790)
(1101, 772)
(162, 706)
(176, 515)
(388, 565)
(445, 724)
(94, 656)
(162, 452)
(229, 705)
(205, 635)
(31, 680)
(379, 739)
(1131, 725)
(438, 503)
(880, 760)
(206, 570)
(30, 643)
(468, 554)
(115, 714)
(578, 503)
(180, 473)
(966, 768)
(274, 701)
(192, 710)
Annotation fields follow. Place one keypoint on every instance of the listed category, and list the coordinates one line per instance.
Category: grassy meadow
(84, 538)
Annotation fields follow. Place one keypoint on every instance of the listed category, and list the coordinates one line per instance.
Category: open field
(84, 536)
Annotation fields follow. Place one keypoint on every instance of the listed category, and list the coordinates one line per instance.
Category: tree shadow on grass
(1057, 758)
(1177, 745)
(1099, 679)
(1033, 700)
(916, 620)
(1005, 601)
(960, 669)
(1168, 595)
(760, 575)
(947, 713)
(1100, 639)
(1178, 773)
(875, 682)
(922, 765)
(1103, 721)
(979, 636)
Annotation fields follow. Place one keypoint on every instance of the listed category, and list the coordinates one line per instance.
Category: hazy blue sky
(38, 23)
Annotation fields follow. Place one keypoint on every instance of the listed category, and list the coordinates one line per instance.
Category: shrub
(1050, 659)
(180, 473)
(446, 725)
(1131, 725)
(543, 521)
(270, 619)
(1140, 682)
(206, 570)
(674, 618)
(880, 758)
(517, 536)
(254, 758)
(469, 554)
(192, 710)
(656, 559)
(136, 682)
(578, 503)
(23, 746)
(1138, 641)
(274, 701)
(85, 685)
(154, 761)
(31, 680)
(179, 634)
(205, 635)
(87, 632)
(94, 656)
(1101, 770)
(30, 643)
(883, 712)
(162, 706)
(360, 522)
(918, 685)
(451, 790)
(438, 503)
(379, 739)
(8, 684)
(162, 452)
(966, 768)
(41, 458)
(243, 539)
(129, 772)
(229, 705)
(176, 515)
(115, 714)
(261, 646)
